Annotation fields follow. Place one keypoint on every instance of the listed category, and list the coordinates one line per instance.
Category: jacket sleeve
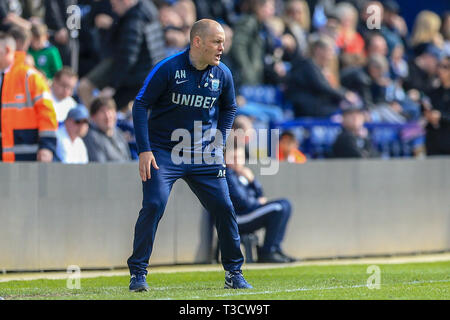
(54, 17)
(227, 107)
(43, 106)
(155, 84)
(243, 201)
(257, 188)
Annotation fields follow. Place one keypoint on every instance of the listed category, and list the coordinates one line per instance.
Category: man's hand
(248, 174)
(62, 36)
(262, 200)
(44, 155)
(146, 160)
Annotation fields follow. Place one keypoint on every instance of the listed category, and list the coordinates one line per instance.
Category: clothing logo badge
(180, 74)
(215, 84)
(222, 173)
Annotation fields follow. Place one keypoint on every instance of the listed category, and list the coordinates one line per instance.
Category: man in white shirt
(62, 89)
(70, 147)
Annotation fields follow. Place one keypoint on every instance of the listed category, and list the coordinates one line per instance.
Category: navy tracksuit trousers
(273, 216)
(211, 189)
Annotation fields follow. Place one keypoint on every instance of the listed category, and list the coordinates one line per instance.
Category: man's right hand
(146, 160)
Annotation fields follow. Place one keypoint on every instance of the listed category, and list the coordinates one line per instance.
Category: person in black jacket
(353, 141)
(438, 114)
(253, 211)
(137, 43)
(307, 88)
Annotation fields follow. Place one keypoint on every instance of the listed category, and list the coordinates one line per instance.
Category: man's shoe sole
(139, 289)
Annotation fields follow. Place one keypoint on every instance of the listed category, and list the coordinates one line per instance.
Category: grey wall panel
(19, 236)
(54, 215)
(349, 207)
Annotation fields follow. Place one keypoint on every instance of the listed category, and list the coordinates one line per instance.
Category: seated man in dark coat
(254, 211)
(353, 141)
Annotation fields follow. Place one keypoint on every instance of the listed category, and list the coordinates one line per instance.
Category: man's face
(444, 70)
(6, 57)
(266, 11)
(78, 127)
(212, 45)
(120, 7)
(378, 46)
(287, 144)
(37, 43)
(105, 118)
(324, 55)
(353, 121)
(64, 86)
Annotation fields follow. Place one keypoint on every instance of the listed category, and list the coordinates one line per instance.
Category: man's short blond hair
(6, 40)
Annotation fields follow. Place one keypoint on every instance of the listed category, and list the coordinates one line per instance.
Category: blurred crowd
(354, 62)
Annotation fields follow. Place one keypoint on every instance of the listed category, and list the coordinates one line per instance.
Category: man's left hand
(44, 155)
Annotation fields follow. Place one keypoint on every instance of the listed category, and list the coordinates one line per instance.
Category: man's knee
(287, 208)
(223, 207)
(154, 206)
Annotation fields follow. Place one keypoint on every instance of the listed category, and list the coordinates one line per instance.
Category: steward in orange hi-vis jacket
(28, 120)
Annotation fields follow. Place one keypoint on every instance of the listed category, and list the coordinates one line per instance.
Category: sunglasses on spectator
(444, 66)
(81, 121)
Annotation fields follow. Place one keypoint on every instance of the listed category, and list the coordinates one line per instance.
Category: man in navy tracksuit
(190, 91)
(254, 211)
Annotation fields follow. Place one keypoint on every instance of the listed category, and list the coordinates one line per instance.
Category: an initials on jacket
(192, 100)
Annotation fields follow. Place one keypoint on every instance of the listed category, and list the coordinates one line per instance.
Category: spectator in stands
(438, 113)
(253, 211)
(426, 31)
(56, 15)
(33, 10)
(365, 16)
(307, 88)
(70, 147)
(297, 20)
(349, 40)
(138, 44)
(250, 43)
(445, 31)
(393, 27)
(376, 44)
(28, 123)
(223, 11)
(289, 149)
(10, 15)
(176, 32)
(104, 141)
(398, 66)
(422, 73)
(371, 83)
(353, 141)
(277, 43)
(46, 56)
(62, 88)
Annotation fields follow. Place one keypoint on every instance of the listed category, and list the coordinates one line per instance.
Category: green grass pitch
(397, 281)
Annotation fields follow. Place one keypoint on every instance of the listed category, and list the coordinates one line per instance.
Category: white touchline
(311, 289)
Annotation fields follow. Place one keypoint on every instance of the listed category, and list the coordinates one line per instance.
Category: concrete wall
(55, 215)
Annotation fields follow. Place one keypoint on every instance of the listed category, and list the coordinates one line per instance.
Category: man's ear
(197, 41)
